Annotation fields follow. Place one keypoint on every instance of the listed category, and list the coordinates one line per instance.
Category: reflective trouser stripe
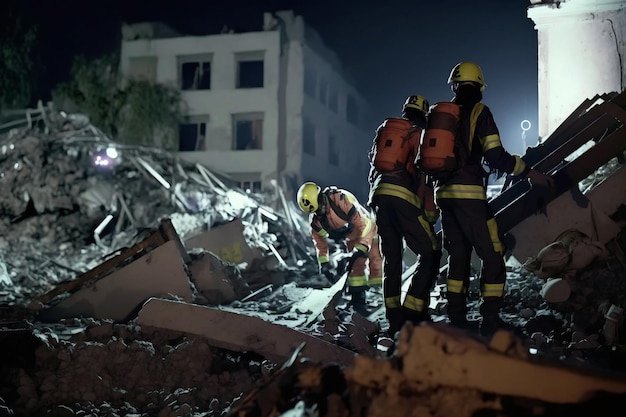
(392, 302)
(427, 226)
(323, 259)
(361, 247)
(415, 304)
(498, 246)
(357, 281)
(375, 281)
(456, 286)
(492, 290)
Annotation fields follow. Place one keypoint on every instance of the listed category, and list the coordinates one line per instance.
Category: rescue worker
(405, 214)
(337, 214)
(467, 219)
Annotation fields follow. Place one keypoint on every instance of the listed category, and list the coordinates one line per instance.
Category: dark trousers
(398, 222)
(467, 225)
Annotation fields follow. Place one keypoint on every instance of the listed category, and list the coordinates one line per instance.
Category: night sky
(392, 48)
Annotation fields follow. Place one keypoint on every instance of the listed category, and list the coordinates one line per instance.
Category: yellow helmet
(467, 71)
(308, 197)
(416, 102)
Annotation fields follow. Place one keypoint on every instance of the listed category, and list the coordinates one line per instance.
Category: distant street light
(525, 125)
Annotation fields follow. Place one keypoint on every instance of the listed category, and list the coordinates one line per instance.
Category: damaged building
(152, 284)
(260, 106)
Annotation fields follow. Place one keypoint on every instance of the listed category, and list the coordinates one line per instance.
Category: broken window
(309, 81)
(323, 91)
(308, 138)
(250, 186)
(248, 131)
(333, 151)
(333, 100)
(250, 70)
(192, 135)
(352, 110)
(195, 72)
(143, 68)
(248, 181)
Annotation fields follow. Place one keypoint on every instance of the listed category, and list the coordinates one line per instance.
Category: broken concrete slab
(219, 283)
(589, 213)
(238, 332)
(226, 241)
(437, 355)
(160, 272)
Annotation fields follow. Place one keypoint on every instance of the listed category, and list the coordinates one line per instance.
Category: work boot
(396, 319)
(417, 317)
(456, 309)
(358, 299)
(491, 324)
(472, 326)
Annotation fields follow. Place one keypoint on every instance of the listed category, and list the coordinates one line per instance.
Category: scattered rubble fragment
(135, 283)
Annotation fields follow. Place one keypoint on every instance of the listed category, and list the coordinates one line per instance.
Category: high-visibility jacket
(345, 216)
(484, 145)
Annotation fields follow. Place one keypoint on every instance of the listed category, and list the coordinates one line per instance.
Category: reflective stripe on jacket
(359, 218)
(484, 145)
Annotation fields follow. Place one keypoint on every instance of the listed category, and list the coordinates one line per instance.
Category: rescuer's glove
(325, 270)
(359, 251)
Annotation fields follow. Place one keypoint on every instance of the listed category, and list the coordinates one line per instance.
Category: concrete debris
(238, 332)
(135, 283)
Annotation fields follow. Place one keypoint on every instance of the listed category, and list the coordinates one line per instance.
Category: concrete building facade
(274, 104)
(581, 53)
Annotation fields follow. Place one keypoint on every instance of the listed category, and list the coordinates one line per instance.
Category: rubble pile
(253, 330)
(64, 210)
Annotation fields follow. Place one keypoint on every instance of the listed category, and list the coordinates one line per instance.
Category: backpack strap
(323, 220)
(342, 214)
(476, 111)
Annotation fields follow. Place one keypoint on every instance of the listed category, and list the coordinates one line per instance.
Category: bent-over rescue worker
(406, 213)
(337, 214)
(467, 219)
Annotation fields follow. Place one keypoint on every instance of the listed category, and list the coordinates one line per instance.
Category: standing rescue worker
(467, 219)
(336, 214)
(405, 213)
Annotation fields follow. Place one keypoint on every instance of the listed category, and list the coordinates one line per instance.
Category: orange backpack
(395, 145)
(441, 152)
(436, 151)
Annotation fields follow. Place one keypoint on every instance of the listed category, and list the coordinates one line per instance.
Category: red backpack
(395, 145)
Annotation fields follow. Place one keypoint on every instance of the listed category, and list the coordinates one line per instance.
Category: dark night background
(392, 48)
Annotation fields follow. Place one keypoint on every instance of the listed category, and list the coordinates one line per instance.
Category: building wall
(292, 52)
(341, 144)
(222, 100)
(582, 52)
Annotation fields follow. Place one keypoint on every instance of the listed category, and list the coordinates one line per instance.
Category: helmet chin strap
(321, 207)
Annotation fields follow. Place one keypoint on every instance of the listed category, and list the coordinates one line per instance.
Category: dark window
(248, 133)
(323, 92)
(308, 138)
(195, 75)
(250, 74)
(252, 186)
(309, 81)
(333, 100)
(333, 151)
(191, 137)
(352, 110)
